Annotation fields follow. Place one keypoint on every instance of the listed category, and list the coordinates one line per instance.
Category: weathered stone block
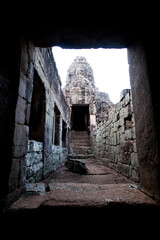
(124, 169)
(21, 133)
(126, 111)
(122, 139)
(114, 139)
(48, 166)
(134, 146)
(135, 175)
(121, 113)
(33, 158)
(25, 88)
(21, 110)
(76, 166)
(50, 109)
(34, 146)
(126, 158)
(36, 167)
(119, 136)
(13, 180)
(36, 187)
(121, 121)
(134, 159)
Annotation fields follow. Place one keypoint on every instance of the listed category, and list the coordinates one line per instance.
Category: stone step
(79, 138)
(81, 156)
(80, 144)
(82, 152)
(83, 148)
(79, 132)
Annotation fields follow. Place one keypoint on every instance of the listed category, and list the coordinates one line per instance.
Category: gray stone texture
(80, 89)
(115, 139)
(33, 159)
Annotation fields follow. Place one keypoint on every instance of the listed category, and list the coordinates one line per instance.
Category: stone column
(48, 136)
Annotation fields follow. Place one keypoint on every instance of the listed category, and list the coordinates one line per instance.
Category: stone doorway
(37, 116)
(80, 117)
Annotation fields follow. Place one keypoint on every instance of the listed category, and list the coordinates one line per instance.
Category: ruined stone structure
(40, 135)
(27, 67)
(112, 135)
(115, 139)
(88, 105)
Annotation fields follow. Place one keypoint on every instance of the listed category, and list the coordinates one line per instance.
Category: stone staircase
(80, 146)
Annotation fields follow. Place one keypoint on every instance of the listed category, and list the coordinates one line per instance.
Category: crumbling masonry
(115, 139)
(112, 127)
(38, 125)
(44, 116)
(40, 143)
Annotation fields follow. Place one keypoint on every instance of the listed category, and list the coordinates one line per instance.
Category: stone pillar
(93, 125)
(60, 129)
(48, 136)
(17, 176)
(146, 129)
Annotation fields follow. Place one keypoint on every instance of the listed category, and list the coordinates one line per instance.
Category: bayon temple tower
(87, 104)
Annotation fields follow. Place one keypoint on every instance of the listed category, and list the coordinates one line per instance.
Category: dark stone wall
(144, 105)
(9, 81)
(23, 95)
(114, 142)
(140, 35)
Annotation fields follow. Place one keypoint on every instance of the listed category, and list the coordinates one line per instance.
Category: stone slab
(94, 195)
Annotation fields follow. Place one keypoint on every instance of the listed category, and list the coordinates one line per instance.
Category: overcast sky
(110, 68)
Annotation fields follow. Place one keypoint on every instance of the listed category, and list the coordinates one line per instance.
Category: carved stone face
(80, 67)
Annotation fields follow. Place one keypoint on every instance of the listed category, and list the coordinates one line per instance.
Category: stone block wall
(34, 161)
(114, 139)
(59, 155)
(34, 155)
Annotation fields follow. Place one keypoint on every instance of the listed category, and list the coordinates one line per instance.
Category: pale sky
(110, 68)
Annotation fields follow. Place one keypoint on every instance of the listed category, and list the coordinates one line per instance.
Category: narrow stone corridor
(36, 116)
(99, 188)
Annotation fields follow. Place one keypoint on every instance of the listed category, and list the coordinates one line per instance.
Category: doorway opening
(37, 117)
(57, 126)
(64, 134)
(80, 117)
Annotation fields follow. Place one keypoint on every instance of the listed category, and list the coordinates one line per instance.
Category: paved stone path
(100, 187)
(98, 194)
(100, 203)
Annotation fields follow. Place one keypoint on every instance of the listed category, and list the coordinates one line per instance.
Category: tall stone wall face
(34, 154)
(103, 103)
(34, 161)
(115, 139)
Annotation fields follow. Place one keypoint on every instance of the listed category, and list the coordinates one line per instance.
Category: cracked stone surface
(100, 187)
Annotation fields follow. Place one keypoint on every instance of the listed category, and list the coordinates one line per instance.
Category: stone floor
(99, 202)
(101, 187)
